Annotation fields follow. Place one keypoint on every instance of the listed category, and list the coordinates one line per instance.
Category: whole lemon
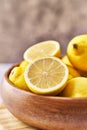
(66, 61)
(72, 72)
(76, 87)
(24, 65)
(17, 75)
(77, 52)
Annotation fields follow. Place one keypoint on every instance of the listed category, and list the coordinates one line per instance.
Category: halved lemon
(47, 76)
(42, 49)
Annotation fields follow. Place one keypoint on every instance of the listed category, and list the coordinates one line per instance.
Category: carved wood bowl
(45, 112)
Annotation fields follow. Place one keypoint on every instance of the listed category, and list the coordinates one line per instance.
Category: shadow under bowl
(45, 112)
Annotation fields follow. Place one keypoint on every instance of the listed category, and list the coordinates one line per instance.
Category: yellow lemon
(17, 78)
(47, 76)
(77, 52)
(24, 65)
(73, 72)
(42, 49)
(66, 61)
(76, 87)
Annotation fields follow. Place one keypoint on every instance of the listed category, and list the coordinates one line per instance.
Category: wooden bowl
(45, 112)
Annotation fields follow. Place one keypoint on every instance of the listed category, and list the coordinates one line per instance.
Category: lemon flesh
(76, 87)
(77, 52)
(42, 49)
(46, 76)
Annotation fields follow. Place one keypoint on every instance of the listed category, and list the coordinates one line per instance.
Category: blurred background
(27, 22)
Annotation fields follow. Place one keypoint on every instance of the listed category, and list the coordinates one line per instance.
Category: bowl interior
(6, 76)
(45, 112)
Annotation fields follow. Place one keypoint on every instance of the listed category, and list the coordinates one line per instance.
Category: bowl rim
(6, 74)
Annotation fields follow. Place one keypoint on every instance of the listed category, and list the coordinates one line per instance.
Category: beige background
(26, 22)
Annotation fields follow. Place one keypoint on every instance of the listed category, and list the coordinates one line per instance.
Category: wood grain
(9, 122)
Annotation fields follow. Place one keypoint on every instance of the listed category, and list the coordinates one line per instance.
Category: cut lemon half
(47, 76)
(42, 49)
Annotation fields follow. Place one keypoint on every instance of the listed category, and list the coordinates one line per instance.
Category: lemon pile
(43, 71)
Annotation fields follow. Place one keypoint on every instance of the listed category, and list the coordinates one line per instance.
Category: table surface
(3, 68)
(9, 122)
